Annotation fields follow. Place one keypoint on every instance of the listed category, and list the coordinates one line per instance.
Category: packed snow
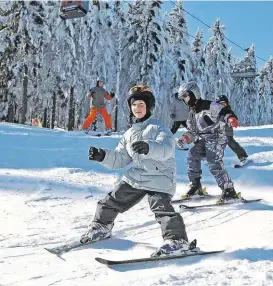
(49, 191)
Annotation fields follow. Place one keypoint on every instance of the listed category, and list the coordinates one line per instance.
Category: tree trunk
(22, 118)
(45, 118)
(71, 112)
(53, 113)
(10, 115)
(116, 116)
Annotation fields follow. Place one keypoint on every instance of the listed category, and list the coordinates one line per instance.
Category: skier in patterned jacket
(206, 130)
(149, 147)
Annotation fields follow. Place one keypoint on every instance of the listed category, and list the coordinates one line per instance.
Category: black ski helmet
(101, 78)
(222, 98)
(142, 92)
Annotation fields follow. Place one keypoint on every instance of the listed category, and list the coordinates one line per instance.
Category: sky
(246, 22)
(49, 191)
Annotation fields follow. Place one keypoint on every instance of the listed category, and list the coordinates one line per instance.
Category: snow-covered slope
(48, 195)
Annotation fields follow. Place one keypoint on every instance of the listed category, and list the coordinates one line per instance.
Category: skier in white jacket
(149, 147)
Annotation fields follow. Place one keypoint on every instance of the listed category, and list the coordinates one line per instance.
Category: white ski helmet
(189, 86)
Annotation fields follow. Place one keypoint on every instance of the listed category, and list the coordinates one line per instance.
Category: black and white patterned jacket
(208, 118)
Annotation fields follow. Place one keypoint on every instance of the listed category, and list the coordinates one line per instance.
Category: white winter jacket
(155, 171)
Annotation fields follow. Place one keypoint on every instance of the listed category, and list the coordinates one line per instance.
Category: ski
(63, 248)
(98, 135)
(183, 149)
(196, 198)
(220, 204)
(157, 258)
(242, 164)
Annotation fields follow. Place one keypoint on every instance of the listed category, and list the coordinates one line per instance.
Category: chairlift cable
(210, 27)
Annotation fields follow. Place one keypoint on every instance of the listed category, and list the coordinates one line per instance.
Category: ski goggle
(139, 89)
(222, 102)
(185, 96)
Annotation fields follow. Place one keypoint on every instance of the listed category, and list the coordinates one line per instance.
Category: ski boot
(86, 131)
(228, 195)
(108, 132)
(195, 188)
(96, 232)
(243, 160)
(176, 247)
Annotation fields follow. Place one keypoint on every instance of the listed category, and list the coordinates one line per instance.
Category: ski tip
(50, 250)
(252, 200)
(216, 251)
(236, 166)
(185, 207)
(102, 261)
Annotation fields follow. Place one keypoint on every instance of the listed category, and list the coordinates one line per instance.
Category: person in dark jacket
(206, 130)
(149, 148)
(97, 96)
(232, 143)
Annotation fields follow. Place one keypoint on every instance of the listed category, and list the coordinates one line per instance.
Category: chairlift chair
(241, 71)
(73, 9)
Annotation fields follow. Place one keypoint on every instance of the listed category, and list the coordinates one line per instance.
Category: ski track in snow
(49, 193)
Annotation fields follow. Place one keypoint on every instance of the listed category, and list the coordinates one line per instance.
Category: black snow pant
(236, 148)
(125, 197)
(177, 124)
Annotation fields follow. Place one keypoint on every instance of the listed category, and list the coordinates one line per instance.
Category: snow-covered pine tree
(199, 69)
(217, 58)
(267, 71)
(166, 85)
(179, 38)
(26, 30)
(244, 97)
(37, 27)
(99, 45)
(9, 46)
(119, 30)
(144, 40)
(198, 60)
(265, 98)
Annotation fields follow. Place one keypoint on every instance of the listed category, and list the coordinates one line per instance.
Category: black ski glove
(96, 154)
(141, 147)
(112, 94)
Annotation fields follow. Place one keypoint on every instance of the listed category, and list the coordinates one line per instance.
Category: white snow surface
(48, 195)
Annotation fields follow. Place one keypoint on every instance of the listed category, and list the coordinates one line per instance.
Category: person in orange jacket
(98, 95)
